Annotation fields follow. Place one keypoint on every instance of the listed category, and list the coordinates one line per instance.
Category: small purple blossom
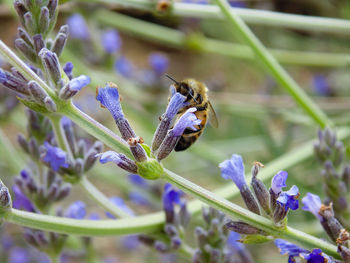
(55, 156)
(289, 199)
(111, 41)
(68, 68)
(233, 241)
(292, 250)
(21, 201)
(138, 198)
(187, 120)
(119, 159)
(279, 181)
(320, 85)
(80, 82)
(66, 122)
(94, 216)
(119, 202)
(76, 210)
(176, 102)
(233, 169)
(124, 67)
(77, 27)
(159, 63)
(109, 98)
(19, 255)
(131, 242)
(312, 203)
(171, 196)
(137, 180)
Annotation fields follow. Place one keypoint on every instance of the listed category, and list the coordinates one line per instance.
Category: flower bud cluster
(336, 175)
(274, 203)
(5, 200)
(215, 243)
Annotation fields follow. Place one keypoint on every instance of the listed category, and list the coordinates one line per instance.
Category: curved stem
(273, 66)
(250, 16)
(100, 198)
(59, 134)
(178, 39)
(96, 129)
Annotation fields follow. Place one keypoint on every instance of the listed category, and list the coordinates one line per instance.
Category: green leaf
(255, 239)
(34, 106)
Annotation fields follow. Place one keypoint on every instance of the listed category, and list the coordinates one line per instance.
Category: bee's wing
(213, 120)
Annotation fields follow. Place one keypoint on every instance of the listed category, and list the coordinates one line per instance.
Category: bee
(197, 97)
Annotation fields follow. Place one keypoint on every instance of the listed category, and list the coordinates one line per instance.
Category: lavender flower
(111, 41)
(320, 85)
(176, 102)
(19, 255)
(138, 198)
(78, 27)
(233, 169)
(315, 256)
(279, 181)
(21, 201)
(119, 159)
(55, 157)
(131, 242)
(74, 86)
(312, 203)
(119, 202)
(187, 120)
(138, 180)
(76, 210)
(171, 196)
(159, 63)
(109, 98)
(68, 69)
(124, 67)
(289, 199)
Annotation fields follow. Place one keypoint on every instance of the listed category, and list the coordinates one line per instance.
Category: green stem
(15, 61)
(59, 134)
(175, 38)
(100, 198)
(154, 222)
(250, 16)
(96, 129)
(273, 66)
(233, 210)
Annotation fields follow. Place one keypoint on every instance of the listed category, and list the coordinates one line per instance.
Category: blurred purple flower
(119, 202)
(124, 67)
(171, 196)
(131, 242)
(138, 180)
(19, 255)
(6, 242)
(138, 199)
(312, 203)
(21, 201)
(239, 4)
(76, 210)
(111, 41)
(55, 156)
(159, 63)
(321, 85)
(77, 27)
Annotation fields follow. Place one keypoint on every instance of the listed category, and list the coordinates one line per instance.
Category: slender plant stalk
(178, 39)
(273, 66)
(250, 16)
(101, 199)
(89, 188)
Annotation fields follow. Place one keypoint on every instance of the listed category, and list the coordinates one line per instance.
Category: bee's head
(183, 88)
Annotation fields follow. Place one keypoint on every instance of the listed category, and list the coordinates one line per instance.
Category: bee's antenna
(176, 82)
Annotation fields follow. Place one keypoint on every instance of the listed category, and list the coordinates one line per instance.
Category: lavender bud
(20, 9)
(38, 43)
(260, 190)
(59, 43)
(5, 199)
(11, 82)
(79, 166)
(26, 50)
(146, 240)
(249, 199)
(41, 239)
(280, 213)
(52, 192)
(120, 159)
(338, 153)
(176, 242)
(215, 256)
(52, 7)
(50, 104)
(68, 69)
(73, 87)
(50, 177)
(137, 151)
(28, 236)
(202, 237)
(160, 246)
(344, 253)
(242, 228)
(44, 20)
(171, 230)
(90, 159)
(38, 93)
(25, 36)
(34, 148)
(330, 137)
(63, 192)
(184, 215)
(346, 176)
(29, 23)
(23, 142)
(51, 64)
(81, 148)
(198, 256)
